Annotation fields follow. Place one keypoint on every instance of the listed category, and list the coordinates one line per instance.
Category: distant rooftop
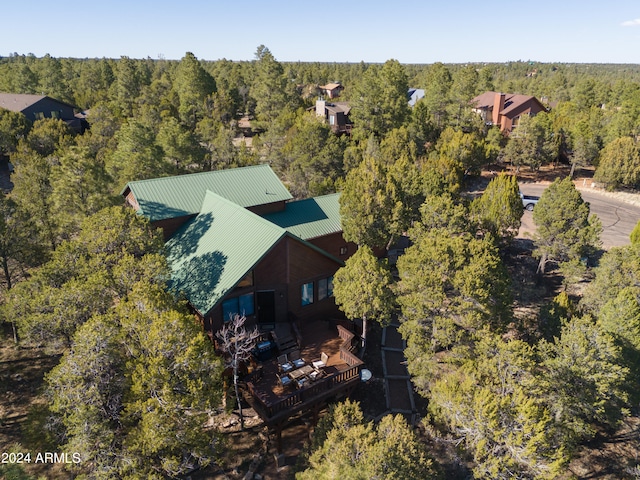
(17, 102)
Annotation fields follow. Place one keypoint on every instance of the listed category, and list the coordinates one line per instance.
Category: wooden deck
(276, 404)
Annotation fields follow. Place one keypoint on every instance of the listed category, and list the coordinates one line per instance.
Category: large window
(242, 305)
(306, 292)
(325, 288)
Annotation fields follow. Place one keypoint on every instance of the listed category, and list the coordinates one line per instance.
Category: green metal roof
(310, 218)
(216, 249)
(169, 197)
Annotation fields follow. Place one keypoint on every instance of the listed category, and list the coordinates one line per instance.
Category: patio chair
(324, 358)
(284, 380)
(295, 358)
(302, 382)
(316, 375)
(284, 365)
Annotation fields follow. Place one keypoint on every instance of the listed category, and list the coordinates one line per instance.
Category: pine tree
(388, 450)
(499, 210)
(362, 289)
(565, 230)
(193, 84)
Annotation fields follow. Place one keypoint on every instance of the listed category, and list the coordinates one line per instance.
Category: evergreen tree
(137, 155)
(133, 394)
(32, 192)
(179, 145)
(380, 100)
(437, 83)
(619, 164)
(311, 158)
(270, 88)
(79, 188)
(128, 85)
(488, 403)
(193, 84)
(583, 378)
(365, 206)
(14, 126)
(621, 318)
(48, 136)
(86, 276)
(451, 287)
(499, 210)
(362, 289)
(19, 247)
(564, 228)
(530, 144)
(389, 450)
(618, 268)
(634, 237)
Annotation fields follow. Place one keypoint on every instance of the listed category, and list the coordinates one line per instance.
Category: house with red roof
(505, 109)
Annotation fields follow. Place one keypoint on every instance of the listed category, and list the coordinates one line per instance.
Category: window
(39, 115)
(247, 281)
(242, 305)
(332, 119)
(322, 289)
(343, 250)
(306, 292)
(325, 288)
(55, 114)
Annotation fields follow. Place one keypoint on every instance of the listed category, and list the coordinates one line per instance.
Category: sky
(427, 31)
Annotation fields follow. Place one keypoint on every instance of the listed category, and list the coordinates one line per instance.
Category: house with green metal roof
(316, 220)
(169, 201)
(235, 244)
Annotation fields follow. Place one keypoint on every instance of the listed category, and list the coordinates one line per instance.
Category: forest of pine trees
(86, 279)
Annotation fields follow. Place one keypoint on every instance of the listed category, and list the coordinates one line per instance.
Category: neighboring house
(505, 109)
(332, 90)
(336, 114)
(414, 94)
(235, 245)
(37, 107)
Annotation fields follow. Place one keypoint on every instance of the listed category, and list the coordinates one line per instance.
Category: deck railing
(317, 390)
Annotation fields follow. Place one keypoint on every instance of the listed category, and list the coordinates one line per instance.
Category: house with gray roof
(336, 114)
(38, 107)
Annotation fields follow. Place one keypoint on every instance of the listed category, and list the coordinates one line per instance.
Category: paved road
(618, 217)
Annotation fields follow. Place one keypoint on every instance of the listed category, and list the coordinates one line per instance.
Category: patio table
(301, 372)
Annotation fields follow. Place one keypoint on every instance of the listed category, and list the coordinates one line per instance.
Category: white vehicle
(528, 201)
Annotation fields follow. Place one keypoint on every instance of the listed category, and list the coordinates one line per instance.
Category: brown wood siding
(170, 226)
(267, 208)
(284, 270)
(332, 244)
(130, 200)
(308, 265)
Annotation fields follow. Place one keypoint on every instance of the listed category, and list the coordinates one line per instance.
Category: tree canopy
(387, 450)
(565, 230)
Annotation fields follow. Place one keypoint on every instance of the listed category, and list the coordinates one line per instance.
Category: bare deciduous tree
(237, 342)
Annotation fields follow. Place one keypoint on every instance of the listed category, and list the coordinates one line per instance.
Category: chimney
(498, 105)
(321, 108)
